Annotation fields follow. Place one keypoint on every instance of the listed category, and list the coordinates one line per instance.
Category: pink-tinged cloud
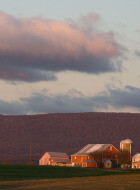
(39, 45)
(137, 31)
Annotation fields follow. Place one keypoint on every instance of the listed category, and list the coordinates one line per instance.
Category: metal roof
(61, 160)
(57, 154)
(108, 161)
(136, 155)
(92, 148)
(91, 161)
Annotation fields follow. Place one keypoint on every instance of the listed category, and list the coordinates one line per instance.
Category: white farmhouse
(136, 161)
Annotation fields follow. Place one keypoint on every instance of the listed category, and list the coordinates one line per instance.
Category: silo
(126, 145)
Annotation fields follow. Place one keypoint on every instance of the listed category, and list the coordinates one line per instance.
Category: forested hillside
(63, 133)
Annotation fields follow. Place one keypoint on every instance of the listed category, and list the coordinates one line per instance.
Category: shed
(47, 158)
(107, 164)
(90, 164)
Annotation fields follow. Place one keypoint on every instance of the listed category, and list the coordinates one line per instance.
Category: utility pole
(30, 154)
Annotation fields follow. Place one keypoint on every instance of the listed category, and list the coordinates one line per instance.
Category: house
(83, 157)
(136, 161)
(55, 158)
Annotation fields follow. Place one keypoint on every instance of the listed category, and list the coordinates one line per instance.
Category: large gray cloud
(129, 97)
(33, 49)
(12, 108)
(137, 53)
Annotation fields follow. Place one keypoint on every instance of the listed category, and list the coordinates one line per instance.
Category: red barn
(55, 158)
(84, 159)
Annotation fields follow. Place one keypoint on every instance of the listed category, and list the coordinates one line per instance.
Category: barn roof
(92, 148)
(57, 154)
(62, 160)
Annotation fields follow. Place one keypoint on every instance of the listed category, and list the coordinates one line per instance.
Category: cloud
(34, 49)
(137, 53)
(11, 108)
(86, 23)
(39, 103)
(128, 97)
(26, 75)
(74, 101)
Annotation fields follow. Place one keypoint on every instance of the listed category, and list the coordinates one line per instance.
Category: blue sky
(121, 10)
(69, 56)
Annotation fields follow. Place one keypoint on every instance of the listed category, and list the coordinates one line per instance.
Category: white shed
(107, 164)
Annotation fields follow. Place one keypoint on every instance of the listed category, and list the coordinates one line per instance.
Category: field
(29, 172)
(44, 177)
(115, 182)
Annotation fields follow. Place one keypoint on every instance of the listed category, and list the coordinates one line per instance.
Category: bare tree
(100, 156)
(124, 157)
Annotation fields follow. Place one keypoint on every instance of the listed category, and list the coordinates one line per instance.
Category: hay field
(112, 182)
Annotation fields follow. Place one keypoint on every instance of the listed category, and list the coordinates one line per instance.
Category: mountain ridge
(64, 132)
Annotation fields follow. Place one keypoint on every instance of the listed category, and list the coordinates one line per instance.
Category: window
(75, 157)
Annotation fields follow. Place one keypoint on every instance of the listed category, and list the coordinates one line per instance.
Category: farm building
(136, 161)
(60, 162)
(86, 155)
(90, 164)
(83, 160)
(54, 158)
(107, 164)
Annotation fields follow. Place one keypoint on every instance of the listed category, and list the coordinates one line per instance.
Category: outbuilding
(136, 161)
(90, 164)
(54, 158)
(107, 164)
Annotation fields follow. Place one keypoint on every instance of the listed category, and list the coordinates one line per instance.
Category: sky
(69, 56)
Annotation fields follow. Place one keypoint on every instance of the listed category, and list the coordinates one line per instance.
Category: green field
(109, 182)
(29, 172)
(33, 177)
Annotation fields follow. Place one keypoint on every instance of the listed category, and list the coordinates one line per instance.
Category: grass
(30, 172)
(111, 182)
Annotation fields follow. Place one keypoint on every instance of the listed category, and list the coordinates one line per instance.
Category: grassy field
(33, 177)
(111, 182)
(29, 172)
